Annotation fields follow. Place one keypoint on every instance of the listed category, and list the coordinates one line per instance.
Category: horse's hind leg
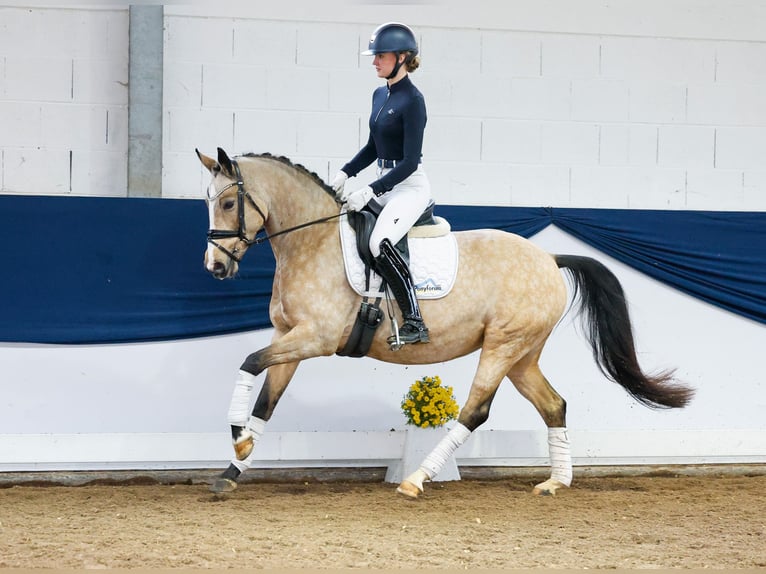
(492, 367)
(246, 432)
(533, 385)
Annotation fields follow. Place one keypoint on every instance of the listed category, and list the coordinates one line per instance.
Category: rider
(397, 123)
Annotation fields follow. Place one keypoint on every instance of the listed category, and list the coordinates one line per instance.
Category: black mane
(304, 170)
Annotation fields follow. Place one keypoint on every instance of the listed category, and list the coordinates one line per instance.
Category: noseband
(241, 232)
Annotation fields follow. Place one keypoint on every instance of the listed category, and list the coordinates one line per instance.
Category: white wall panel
(657, 102)
(38, 79)
(22, 124)
(540, 99)
(36, 171)
(100, 81)
(511, 141)
(740, 147)
(600, 100)
(100, 173)
(727, 104)
(507, 54)
(685, 146)
(275, 132)
(262, 42)
(570, 143)
(715, 189)
(566, 56)
(234, 86)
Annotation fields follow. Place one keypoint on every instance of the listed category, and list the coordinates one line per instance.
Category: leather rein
(241, 232)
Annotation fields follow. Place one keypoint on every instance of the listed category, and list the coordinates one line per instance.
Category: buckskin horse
(506, 299)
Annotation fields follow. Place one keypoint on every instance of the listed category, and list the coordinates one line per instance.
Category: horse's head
(235, 217)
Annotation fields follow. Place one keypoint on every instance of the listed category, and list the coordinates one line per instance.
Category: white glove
(338, 182)
(357, 200)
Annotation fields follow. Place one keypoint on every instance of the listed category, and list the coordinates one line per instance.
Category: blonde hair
(412, 63)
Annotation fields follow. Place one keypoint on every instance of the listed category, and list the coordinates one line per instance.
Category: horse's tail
(609, 331)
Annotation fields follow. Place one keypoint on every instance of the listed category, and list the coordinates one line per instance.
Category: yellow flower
(429, 404)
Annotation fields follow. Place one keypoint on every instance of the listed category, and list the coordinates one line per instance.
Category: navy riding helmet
(393, 37)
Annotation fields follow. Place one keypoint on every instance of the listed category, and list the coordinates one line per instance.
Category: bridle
(241, 232)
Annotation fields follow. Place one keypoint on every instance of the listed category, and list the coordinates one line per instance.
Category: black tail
(610, 334)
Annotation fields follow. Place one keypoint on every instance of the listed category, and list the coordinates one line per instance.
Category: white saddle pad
(433, 264)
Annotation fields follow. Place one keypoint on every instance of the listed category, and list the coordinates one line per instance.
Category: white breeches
(402, 206)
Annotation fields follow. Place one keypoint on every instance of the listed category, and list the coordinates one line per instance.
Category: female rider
(397, 123)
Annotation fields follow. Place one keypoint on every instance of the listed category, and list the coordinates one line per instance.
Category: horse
(506, 299)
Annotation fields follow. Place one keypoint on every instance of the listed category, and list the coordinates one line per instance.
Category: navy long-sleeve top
(397, 123)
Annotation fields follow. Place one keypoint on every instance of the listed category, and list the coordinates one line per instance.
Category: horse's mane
(302, 169)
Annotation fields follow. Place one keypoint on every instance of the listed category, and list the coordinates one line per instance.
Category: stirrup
(411, 332)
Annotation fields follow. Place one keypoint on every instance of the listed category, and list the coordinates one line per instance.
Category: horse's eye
(228, 205)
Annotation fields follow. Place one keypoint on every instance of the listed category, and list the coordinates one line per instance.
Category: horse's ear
(208, 162)
(225, 163)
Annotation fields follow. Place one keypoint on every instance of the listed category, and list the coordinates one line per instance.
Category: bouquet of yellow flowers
(429, 404)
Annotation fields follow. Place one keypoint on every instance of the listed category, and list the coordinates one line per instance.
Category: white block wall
(63, 100)
(569, 104)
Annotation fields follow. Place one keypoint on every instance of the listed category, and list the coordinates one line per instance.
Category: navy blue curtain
(111, 270)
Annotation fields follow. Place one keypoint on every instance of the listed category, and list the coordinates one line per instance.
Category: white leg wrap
(256, 427)
(561, 458)
(447, 446)
(240, 399)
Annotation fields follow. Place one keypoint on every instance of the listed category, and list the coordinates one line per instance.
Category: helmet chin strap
(396, 67)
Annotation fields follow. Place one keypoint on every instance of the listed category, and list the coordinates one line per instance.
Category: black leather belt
(388, 163)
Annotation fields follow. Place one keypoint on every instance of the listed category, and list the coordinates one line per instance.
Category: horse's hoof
(243, 448)
(548, 488)
(406, 488)
(223, 485)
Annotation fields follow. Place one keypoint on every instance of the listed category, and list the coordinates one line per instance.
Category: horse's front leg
(281, 358)
(246, 432)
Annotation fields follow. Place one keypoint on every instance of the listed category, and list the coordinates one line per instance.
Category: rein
(241, 232)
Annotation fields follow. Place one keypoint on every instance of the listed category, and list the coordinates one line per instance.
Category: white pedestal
(418, 444)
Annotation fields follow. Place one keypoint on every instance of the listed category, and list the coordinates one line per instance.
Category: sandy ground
(612, 522)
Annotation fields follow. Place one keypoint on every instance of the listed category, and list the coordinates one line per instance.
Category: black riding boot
(390, 265)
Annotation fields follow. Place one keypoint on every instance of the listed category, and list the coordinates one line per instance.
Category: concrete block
(297, 89)
(740, 63)
(456, 50)
(36, 171)
(265, 43)
(657, 59)
(329, 45)
(327, 135)
(685, 146)
(100, 173)
(183, 176)
(743, 148)
(727, 105)
(628, 144)
(656, 188)
(38, 79)
(540, 99)
(600, 100)
(570, 143)
(71, 126)
(510, 54)
(187, 129)
(21, 124)
(182, 84)
(540, 186)
(715, 189)
(233, 86)
(350, 91)
(117, 128)
(452, 139)
(627, 187)
(511, 141)
(100, 81)
(436, 87)
(68, 32)
(754, 189)
(481, 95)
(469, 183)
(570, 56)
(657, 102)
(275, 132)
(200, 40)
